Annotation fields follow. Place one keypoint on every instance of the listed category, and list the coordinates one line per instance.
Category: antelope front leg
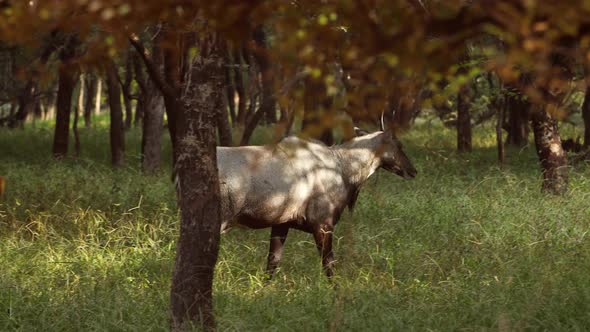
(278, 235)
(323, 241)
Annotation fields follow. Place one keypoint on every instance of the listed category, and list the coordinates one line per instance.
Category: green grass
(467, 245)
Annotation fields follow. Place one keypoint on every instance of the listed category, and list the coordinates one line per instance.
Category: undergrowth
(467, 245)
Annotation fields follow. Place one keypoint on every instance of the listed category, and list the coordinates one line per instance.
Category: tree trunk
(551, 155)
(463, 120)
(66, 85)
(151, 104)
(117, 130)
(315, 105)
(198, 190)
(25, 103)
(239, 84)
(223, 126)
(91, 91)
(586, 116)
(500, 107)
(268, 104)
(98, 97)
(518, 119)
(151, 146)
(79, 107)
(251, 125)
(126, 89)
(229, 89)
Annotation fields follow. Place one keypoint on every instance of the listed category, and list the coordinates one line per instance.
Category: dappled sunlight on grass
(466, 245)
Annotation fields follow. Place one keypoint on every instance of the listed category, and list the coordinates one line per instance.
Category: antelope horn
(382, 124)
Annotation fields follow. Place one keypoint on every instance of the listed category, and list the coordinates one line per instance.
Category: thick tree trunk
(551, 155)
(117, 129)
(66, 85)
(463, 120)
(198, 190)
(91, 88)
(586, 116)
(518, 120)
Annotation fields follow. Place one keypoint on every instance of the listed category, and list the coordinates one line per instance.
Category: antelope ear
(360, 132)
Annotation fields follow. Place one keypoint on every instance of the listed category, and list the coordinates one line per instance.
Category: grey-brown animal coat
(301, 184)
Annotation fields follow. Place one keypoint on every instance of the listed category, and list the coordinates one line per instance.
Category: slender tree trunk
(139, 114)
(77, 109)
(500, 107)
(463, 120)
(229, 88)
(239, 84)
(25, 103)
(66, 85)
(98, 97)
(126, 89)
(518, 119)
(268, 104)
(223, 126)
(91, 91)
(198, 190)
(251, 125)
(151, 103)
(117, 129)
(586, 116)
(551, 155)
(151, 145)
(315, 106)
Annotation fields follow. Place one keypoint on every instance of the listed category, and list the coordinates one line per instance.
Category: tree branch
(153, 72)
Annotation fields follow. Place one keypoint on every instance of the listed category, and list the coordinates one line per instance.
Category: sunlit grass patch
(467, 245)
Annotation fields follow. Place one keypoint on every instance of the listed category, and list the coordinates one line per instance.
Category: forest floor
(467, 245)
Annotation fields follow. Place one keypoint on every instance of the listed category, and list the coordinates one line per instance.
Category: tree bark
(151, 104)
(268, 104)
(239, 84)
(66, 84)
(79, 107)
(91, 85)
(25, 103)
(500, 107)
(223, 126)
(198, 189)
(126, 89)
(117, 129)
(464, 120)
(151, 146)
(97, 99)
(551, 155)
(229, 88)
(586, 116)
(315, 106)
(518, 119)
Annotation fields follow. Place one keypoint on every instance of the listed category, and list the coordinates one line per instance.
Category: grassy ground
(466, 246)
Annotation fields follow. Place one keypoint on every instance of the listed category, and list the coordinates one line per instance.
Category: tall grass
(467, 245)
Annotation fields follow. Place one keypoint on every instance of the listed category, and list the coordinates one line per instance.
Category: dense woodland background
(101, 101)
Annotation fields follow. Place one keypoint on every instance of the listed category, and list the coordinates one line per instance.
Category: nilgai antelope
(302, 184)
